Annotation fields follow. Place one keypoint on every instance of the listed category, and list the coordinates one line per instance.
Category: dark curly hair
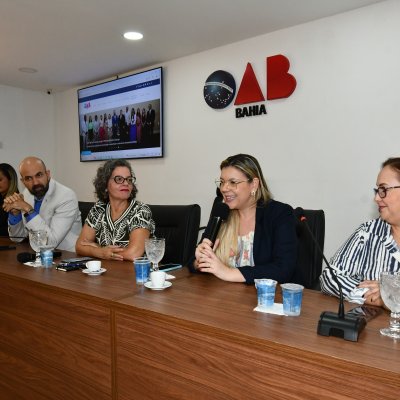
(103, 175)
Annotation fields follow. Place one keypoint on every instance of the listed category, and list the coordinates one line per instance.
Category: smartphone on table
(72, 264)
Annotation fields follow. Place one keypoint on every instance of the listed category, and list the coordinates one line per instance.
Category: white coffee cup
(157, 279)
(93, 266)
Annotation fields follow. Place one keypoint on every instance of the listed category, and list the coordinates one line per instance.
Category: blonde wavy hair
(228, 234)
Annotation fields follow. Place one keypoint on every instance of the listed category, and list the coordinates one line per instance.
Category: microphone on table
(219, 214)
(26, 257)
(330, 323)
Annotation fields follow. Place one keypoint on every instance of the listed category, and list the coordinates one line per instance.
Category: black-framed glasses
(382, 191)
(231, 183)
(130, 180)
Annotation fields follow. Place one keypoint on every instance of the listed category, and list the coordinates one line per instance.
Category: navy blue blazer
(275, 244)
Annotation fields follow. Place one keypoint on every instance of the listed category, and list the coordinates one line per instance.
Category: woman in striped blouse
(374, 247)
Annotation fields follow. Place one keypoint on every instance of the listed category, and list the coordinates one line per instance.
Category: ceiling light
(27, 70)
(133, 35)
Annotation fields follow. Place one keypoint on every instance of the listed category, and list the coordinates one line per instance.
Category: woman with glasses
(258, 239)
(117, 225)
(374, 247)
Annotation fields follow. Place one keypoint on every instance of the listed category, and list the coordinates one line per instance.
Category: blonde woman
(258, 240)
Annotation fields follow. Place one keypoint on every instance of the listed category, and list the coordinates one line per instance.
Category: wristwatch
(31, 211)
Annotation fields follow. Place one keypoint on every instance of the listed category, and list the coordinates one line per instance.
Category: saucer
(150, 286)
(94, 273)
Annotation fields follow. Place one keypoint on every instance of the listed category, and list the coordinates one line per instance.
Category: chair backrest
(179, 225)
(309, 258)
(84, 207)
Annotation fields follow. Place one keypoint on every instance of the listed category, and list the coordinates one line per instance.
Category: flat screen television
(122, 118)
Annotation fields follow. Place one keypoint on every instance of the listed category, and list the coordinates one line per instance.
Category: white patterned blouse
(109, 232)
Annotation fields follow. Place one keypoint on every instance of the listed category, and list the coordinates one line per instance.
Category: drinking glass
(37, 239)
(155, 248)
(390, 291)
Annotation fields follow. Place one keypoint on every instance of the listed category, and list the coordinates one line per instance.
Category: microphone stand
(336, 324)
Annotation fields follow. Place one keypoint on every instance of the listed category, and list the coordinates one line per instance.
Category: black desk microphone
(26, 257)
(330, 323)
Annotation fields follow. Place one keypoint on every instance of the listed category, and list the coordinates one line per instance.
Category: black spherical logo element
(219, 89)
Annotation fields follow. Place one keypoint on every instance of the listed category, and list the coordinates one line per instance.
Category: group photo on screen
(127, 127)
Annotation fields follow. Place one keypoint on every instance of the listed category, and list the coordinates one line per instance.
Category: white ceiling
(76, 42)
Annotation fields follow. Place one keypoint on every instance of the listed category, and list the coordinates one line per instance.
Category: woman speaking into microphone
(258, 239)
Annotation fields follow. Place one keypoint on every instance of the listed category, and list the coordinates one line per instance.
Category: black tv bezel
(161, 117)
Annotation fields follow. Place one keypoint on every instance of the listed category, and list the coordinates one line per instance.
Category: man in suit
(45, 204)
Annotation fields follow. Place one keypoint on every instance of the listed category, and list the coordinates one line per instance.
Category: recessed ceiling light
(133, 35)
(27, 70)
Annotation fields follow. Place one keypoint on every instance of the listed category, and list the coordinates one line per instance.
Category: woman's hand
(113, 253)
(202, 249)
(106, 252)
(207, 261)
(373, 295)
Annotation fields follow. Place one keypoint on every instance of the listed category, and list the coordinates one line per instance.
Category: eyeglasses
(130, 180)
(230, 183)
(382, 191)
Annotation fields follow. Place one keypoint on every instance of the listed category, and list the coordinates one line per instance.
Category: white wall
(27, 125)
(320, 148)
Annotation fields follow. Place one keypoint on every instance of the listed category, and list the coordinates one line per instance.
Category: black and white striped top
(109, 232)
(370, 250)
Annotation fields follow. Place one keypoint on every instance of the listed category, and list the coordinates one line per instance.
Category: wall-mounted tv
(122, 118)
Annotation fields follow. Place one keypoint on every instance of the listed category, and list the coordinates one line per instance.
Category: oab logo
(220, 87)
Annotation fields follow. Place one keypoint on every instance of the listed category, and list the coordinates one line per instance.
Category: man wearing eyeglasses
(373, 248)
(46, 205)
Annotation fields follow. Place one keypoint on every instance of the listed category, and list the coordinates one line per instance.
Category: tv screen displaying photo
(122, 118)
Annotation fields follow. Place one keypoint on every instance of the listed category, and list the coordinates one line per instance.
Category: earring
(253, 193)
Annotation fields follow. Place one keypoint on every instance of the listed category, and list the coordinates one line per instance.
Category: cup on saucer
(157, 279)
(93, 266)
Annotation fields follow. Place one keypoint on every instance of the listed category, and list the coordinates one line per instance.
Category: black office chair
(84, 208)
(179, 225)
(309, 258)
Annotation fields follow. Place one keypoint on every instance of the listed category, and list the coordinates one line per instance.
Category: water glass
(46, 256)
(389, 286)
(142, 269)
(265, 292)
(37, 239)
(155, 248)
(292, 296)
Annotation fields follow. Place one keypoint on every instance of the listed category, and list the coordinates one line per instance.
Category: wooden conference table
(65, 335)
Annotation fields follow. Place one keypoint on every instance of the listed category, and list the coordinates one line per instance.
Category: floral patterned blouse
(245, 252)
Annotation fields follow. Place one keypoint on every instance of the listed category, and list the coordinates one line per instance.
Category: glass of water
(389, 284)
(37, 239)
(155, 248)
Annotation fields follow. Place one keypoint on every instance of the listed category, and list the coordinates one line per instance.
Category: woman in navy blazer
(258, 240)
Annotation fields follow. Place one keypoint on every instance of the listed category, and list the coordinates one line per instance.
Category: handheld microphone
(219, 214)
(26, 257)
(330, 323)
